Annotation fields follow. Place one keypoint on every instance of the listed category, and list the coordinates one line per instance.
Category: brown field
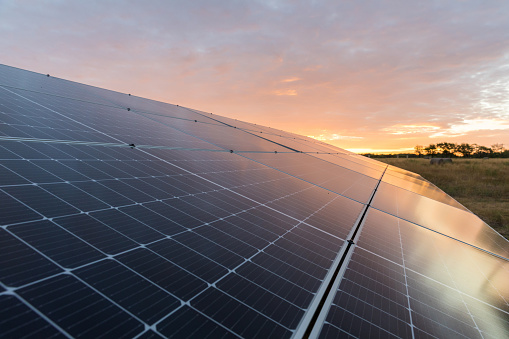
(480, 185)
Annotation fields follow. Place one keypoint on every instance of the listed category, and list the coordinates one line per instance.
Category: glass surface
(402, 173)
(31, 81)
(443, 218)
(146, 231)
(64, 119)
(148, 242)
(361, 160)
(318, 172)
(222, 136)
(421, 187)
(450, 288)
(375, 173)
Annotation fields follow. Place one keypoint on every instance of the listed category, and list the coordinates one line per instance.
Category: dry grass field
(480, 185)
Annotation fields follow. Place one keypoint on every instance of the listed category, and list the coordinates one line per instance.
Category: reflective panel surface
(126, 217)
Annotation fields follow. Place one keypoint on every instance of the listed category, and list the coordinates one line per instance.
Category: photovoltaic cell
(18, 320)
(415, 275)
(56, 243)
(65, 300)
(344, 181)
(176, 236)
(453, 222)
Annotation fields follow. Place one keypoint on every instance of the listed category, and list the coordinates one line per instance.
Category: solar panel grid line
(98, 181)
(312, 326)
(94, 198)
(406, 282)
(432, 279)
(375, 317)
(308, 327)
(312, 323)
(58, 113)
(446, 235)
(209, 116)
(228, 189)
(208, 141)
(169, 116)
(156, 325)
(61, 96)
(92, 143)
(43, 316)
(442, 284)
(297, 225)
(184, 169)
(414, 299)
(157, 146)
(71, 119)
(307, 181)
(86, 266)
(65, 271)
(434, 318)
(463, 301)
(27, 208)
(280, 237)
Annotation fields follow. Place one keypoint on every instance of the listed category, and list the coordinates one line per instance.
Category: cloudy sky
(378, 75)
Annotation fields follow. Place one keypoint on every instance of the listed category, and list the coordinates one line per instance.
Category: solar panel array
(126, 217)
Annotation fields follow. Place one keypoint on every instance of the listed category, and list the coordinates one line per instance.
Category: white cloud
(475, 125)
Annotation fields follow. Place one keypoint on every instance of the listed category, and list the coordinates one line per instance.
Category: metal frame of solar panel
(126, 217)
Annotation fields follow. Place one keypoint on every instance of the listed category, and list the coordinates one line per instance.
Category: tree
(464, 149)
(483, 151)
(498, 148)
(446, 148)
(431, 149)
(419, 150)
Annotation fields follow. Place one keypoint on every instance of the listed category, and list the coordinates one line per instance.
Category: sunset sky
(362, 75)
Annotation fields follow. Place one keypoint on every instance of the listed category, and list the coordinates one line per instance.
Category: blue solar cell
(56, 243)
(188, 323)
(95, 233)
(40, 200)
(20, 264)
(163, 273)
(129, 227)
(237, 316)
(8, 177)
(17, 320)
(153, 219)
(60, 170)
(215, 252)
(65, 300)
(141, 298)
(30, 171)
(188, 259)
(74, 196)
(103, 193)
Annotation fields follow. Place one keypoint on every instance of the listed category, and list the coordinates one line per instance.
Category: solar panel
(126, 217)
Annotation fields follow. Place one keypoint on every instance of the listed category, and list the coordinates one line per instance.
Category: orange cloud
(289, 92)
(291, 79)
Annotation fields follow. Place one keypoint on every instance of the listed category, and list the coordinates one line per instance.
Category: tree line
(451, 150)
(465, 150)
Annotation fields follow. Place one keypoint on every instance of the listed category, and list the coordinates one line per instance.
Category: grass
(480, 185)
